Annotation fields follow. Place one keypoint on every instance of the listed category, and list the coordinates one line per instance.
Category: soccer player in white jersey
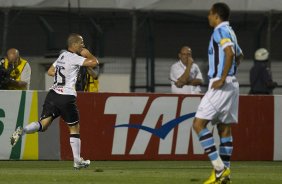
(185, 75)
(220, 103)
(61, 99)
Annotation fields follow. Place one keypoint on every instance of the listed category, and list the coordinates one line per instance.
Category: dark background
(109, 33)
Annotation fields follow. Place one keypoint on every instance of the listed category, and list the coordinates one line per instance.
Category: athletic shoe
(81, 164)
(223, 176)
(227, 181)
(211, 179)
(16, 136)
(219, 177)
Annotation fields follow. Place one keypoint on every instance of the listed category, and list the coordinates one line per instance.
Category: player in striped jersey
(220, 103)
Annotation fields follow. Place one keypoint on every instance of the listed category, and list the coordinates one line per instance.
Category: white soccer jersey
(176, 70)
(67, 66)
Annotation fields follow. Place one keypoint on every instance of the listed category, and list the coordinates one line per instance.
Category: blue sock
(225, 150)
(207, 142)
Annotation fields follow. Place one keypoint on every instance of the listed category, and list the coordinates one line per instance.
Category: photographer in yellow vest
(87, 79)
(92, 83)
(19, 70)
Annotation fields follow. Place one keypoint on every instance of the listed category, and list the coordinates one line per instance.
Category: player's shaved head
(73, 38)
(75, 43)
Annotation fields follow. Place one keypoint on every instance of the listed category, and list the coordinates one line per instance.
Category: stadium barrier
(137, 126)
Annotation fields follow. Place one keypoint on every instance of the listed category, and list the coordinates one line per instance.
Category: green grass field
(134, 172)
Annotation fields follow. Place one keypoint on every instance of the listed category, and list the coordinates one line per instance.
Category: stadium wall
(137, 126)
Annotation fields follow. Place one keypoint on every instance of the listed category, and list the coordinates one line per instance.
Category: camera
(4, 76)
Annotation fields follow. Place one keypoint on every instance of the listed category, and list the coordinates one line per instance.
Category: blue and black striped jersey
(222, 37)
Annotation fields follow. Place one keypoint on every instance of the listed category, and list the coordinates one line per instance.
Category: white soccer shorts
(220, 105)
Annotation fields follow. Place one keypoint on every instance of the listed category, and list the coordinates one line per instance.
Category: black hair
(222, 10)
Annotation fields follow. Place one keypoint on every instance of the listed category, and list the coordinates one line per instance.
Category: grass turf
(134, 172)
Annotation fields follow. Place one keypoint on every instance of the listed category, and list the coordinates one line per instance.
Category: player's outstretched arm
(90, 60)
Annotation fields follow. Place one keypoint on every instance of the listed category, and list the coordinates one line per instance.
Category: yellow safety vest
(92, 85)
(16, 72)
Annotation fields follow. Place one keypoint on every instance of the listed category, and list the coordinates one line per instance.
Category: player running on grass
(61, 99)
(220, 103)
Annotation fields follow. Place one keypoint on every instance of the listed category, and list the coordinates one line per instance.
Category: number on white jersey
(60, 78)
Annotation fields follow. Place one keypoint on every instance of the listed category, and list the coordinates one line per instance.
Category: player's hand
(217, 84)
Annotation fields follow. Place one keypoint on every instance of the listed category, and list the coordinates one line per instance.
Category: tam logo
(168, 107)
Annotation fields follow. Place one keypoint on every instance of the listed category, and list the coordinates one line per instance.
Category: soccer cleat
(81, 164)
(224, 176)
(212, 178)
(16, 136)
(226, 181)
(221, 177)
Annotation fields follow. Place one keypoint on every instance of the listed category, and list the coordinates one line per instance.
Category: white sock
(31, 128)
(218, 164)
(75, 146)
